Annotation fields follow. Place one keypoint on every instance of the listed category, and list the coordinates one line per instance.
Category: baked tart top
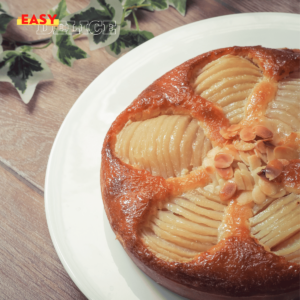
(200, 175)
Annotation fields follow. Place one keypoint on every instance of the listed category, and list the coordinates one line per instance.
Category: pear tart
(200, 176)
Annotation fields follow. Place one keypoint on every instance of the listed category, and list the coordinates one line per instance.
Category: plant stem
(10, 43)
(135, 21)
(76, 36)
(136, 6)
(132, 7)
(48, 44)
(123, 16)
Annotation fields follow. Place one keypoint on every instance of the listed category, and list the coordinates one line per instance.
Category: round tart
(200, 176)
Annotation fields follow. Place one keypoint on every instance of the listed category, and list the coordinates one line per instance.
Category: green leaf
(21, 67)
(128, 40)
(126, 25)
(1, 39)
(65, 50)
(5, 17)
(24, 48)
(24, 70)
(3, 7)
(4, 20)
(180, 5)
(156, 5)
(127, 13)
(60, 10)
(109, 12)
(129, 3)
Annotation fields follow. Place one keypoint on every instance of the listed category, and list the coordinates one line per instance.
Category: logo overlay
(43, 20)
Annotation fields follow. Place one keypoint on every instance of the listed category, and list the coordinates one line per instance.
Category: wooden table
(30, 267)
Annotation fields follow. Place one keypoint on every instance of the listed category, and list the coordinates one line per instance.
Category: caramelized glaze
(238, 265)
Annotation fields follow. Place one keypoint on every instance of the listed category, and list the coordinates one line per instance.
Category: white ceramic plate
(77, 222)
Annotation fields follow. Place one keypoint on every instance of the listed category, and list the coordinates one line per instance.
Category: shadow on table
(134, 277)
(42, 87)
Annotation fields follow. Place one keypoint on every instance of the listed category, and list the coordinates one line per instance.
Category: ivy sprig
(5, 17)
(24, 69)
(65, 49)
(105, 24)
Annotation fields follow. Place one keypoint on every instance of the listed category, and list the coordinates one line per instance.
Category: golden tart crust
(238, 265)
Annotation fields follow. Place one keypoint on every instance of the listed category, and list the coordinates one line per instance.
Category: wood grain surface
(30, 268)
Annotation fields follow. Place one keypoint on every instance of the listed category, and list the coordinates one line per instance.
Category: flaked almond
(229, 149)
(282, 152)
(244, 157)
(254, 162)
(261, 147)
(285, 162)
(210, 170)
(262, 156)
(270, 154)
(273, 169)
(239, 180)
(263, 132)
(247, 134)
(267, 187)
(258, 196)
(226, 173)
(268, 144)
(228, 134)
(243, 146)
(234, 127)
(227, 191)
(279, 194)
(246, 175)
(242, 167)
(262, 175)
(244, 198)
(255, 175)
(223, 160)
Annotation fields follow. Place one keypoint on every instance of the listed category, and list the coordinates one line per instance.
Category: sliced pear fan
(276, 224)
(285, 108)
(228, 81)
(166, 146)
(185, 226)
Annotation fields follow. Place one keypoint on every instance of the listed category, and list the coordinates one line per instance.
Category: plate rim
(47, 201)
